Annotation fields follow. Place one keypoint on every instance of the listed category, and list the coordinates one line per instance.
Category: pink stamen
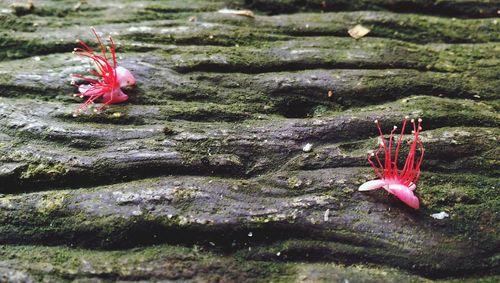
(400, 183)
(107, 80)
(389, 168)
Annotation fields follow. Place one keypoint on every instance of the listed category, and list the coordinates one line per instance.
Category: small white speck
(36, 58)
(326, 215)
(307, 147)
(442, 215)
(250, 234)
(278, 253)
(137, 212)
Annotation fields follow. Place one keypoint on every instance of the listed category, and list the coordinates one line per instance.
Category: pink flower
(109, 78)
(401, 183)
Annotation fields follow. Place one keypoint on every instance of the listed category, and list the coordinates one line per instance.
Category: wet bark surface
(204, 174)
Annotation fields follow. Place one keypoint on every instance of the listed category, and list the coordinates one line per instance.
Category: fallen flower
(109, 78)
(400, 183)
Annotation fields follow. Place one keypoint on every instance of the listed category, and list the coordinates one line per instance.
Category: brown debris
(358, 31)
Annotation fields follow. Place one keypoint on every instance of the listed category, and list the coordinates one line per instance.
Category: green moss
(476, 59)
(53, 204)
(332, 272)
(166, 7)
(155, 262)
(231, 71)
(14, 46)
(320, 250)
(221, 36)
(469, 199)
(294, 182)
(165, 262)
(44, 171)
(185, 193)
(479, 8)
(196, 111)
(440, 111)
(417, 28)
(407, 27)
(115, 114)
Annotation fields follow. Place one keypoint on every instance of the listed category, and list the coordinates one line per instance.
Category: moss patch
(44, 171)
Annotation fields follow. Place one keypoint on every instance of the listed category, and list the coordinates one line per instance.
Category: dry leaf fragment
(330, 93)
(245, 13)
(21, 9)
(358, 31)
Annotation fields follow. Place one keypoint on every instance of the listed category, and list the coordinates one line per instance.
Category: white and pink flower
(399, 182)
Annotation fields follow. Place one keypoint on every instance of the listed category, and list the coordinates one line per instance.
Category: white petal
(125, 77)
(83, 88)
(372, 185)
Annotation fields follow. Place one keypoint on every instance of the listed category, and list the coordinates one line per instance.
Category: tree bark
(204, 174)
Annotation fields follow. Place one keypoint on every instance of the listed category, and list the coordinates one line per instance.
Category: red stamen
(101, 46)
(389, 170)
(107, 78)
(399, 144)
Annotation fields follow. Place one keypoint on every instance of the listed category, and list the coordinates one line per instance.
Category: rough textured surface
(202, 176)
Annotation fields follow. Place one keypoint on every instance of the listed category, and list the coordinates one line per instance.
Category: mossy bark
(203, 175)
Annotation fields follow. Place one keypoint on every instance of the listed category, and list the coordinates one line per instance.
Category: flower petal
(372, 185)
(405, 194)
(125, 77)
(412, 186)
(116, 96)
(83, 88)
